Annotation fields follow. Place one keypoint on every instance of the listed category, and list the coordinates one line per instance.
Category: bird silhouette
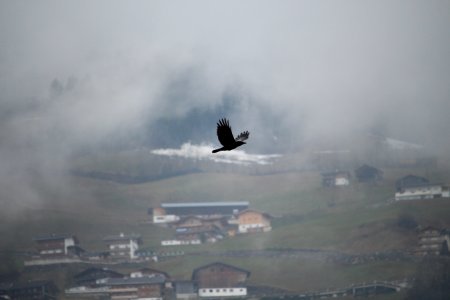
(226, 137)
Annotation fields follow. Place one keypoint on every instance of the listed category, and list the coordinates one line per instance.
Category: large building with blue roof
(171, 212)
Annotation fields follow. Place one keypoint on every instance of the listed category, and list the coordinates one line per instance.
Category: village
(197, 223)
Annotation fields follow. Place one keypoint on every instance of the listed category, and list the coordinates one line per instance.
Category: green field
(352, 220)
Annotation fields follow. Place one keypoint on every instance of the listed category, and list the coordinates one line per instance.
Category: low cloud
(203, 152)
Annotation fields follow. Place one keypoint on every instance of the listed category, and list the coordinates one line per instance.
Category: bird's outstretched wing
(224, 133)
(243, 136)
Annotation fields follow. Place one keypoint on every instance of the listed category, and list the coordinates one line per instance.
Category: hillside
(355, 220)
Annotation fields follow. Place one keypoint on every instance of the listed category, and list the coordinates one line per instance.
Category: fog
(203, 152)
(81, 77)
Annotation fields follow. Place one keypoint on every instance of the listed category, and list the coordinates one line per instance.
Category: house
(137, 288)
(408, 181)
(432, 241)
(251, 220)
(422, 191)
(33, 290)
(93, 276)
(123, 288)
(336, 178)
(367, 173)
(123, 246)
(194, 230)
(191, 222)
(57, 245)
(219, 280)
(160, 216)
(172, 212)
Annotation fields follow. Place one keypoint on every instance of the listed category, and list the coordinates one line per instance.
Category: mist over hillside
(109, 108)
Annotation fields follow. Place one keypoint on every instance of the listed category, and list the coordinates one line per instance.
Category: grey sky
(78, 72)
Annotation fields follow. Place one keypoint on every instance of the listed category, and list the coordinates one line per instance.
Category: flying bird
(226, 137)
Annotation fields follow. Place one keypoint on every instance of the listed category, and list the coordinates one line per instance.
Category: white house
(422, 191)
(160, 216)
(123, 246)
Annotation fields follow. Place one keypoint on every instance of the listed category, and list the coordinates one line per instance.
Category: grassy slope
(353, 219)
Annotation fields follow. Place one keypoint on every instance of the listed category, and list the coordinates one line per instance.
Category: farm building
(251, 220)
(336, 178)
(172, 212)
(219, 280)
(123, 246)
(367, 173)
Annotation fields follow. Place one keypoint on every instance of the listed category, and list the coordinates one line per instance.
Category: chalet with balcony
(57, 245)
(137, 288)
(422, 191)
(432, 241)
(123, 288)
(219, 280)
(123, 246)
(251, 220)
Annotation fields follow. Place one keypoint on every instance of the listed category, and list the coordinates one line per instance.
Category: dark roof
(32, 284)
(95, 272)
(422, 185)
(122, 237)
(367, 169)
(220, 264)
(135, 281)
(53, 237)
(411, 179)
